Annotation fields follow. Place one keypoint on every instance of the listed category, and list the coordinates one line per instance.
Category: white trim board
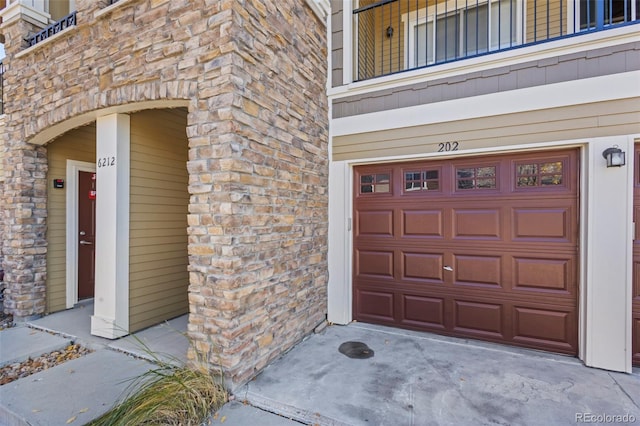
(576, 92)
(73, 167)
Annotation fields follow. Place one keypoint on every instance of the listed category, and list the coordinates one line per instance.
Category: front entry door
(86, 233)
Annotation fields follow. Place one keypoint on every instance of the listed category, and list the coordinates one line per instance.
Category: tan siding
(59, 9)
(545, 20)
(158, 278)
(366, 41)
(79, 145)
(567, 123)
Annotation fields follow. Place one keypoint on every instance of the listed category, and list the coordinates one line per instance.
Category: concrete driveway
(423, 379)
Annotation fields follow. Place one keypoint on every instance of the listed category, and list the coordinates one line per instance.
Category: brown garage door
(483, 247)
(636, 260)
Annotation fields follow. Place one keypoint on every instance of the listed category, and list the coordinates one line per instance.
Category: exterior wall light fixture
(389, 31)
(615, 156)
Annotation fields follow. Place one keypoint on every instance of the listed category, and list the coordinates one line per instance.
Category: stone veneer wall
(253, 73)
(1, 221)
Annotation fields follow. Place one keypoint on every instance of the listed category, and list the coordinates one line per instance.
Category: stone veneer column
(24, 242)
(111, 302)
(258, 182)
(24, 199)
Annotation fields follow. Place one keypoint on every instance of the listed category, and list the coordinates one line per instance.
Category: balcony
(392, 36)
(53, 29)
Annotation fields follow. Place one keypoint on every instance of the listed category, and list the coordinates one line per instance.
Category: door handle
(447, 268)
(85, 243)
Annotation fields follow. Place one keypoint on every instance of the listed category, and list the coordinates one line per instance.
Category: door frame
(73, 168)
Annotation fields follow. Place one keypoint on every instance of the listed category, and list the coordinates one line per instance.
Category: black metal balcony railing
(52, 29)
(1, 88)
(397, 35)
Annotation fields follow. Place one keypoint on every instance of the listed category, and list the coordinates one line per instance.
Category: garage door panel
(545, 328)
(481, 224)
(423, 311)
(375, 305)
(423, 266)
(483, 248)
(479, 318)
(543, 274)
(478, 270)
(375, 223)
(374, 263)
(542, 224)
(423, 223)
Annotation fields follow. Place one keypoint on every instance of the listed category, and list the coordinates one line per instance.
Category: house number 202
(106, 162)
(447, 146)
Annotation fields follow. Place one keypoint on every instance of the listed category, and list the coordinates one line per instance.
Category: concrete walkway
(422, 379)
(80, 390)
(411, 379)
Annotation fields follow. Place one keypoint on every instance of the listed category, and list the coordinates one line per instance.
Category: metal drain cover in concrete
(357, 350)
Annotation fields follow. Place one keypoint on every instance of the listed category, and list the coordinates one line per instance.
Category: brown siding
(79, 145)
(567, 123)
(593, 63)
(158, 277)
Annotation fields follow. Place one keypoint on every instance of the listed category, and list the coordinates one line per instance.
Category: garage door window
(476, 178)
(424, 180)
(539, 174)
(375, 183)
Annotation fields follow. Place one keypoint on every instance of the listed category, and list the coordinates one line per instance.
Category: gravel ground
(6, 321)
(18, 370)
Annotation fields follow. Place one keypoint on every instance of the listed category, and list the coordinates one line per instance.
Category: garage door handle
(84, 243)
(447, 268)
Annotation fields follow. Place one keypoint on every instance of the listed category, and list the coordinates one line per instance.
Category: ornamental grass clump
(169, 395)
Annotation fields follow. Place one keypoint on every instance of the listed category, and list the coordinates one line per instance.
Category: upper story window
(437, 36)
(398, 35)
(595, 13)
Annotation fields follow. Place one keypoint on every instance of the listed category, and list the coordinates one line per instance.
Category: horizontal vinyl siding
(545, 20)
(58, 9)
(79, 145)
(158, 278)
(567, 123)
